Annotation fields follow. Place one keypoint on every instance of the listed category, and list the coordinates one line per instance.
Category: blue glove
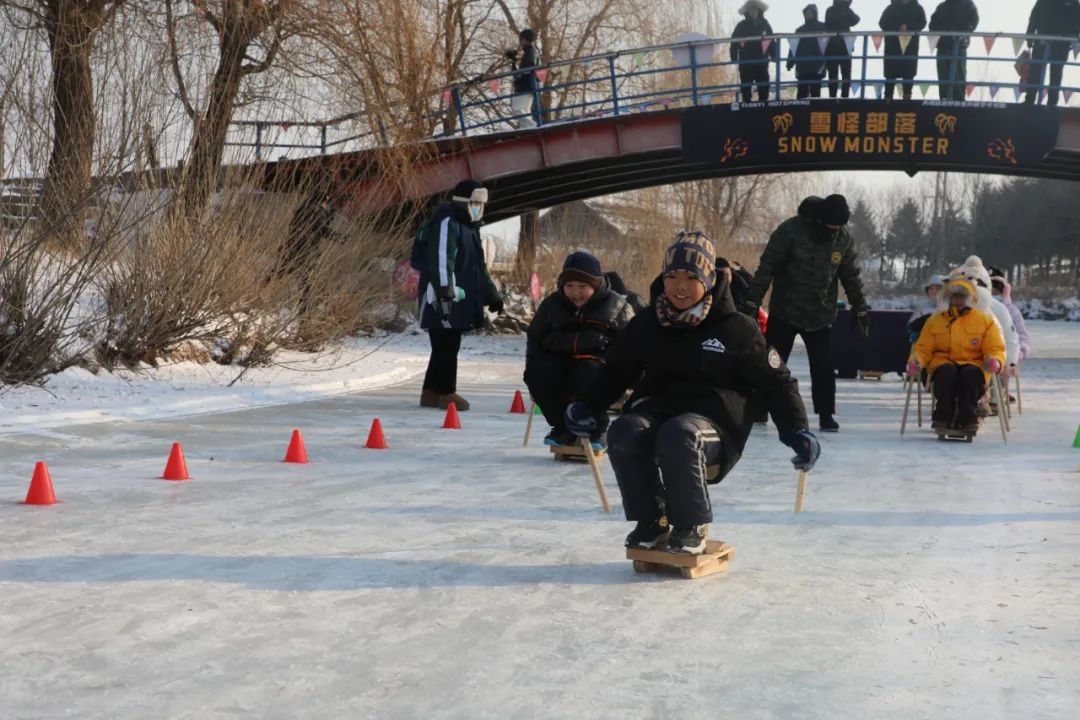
(580, 420)
(806, 447)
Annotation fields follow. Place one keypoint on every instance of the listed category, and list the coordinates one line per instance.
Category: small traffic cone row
(176, 467)
(376, 440)
(518, 406)
(41, 489)
(296, 453)
(452, 421)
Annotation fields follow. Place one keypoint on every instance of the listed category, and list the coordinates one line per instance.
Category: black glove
(496, 305)
(580, 420)
(806, 446)
(750, 309)
(592, 342)
(861, 319)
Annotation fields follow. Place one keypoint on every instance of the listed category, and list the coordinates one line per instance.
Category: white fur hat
(973, 270)
(751, 4)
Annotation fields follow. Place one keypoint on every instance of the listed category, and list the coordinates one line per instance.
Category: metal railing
(701, 72)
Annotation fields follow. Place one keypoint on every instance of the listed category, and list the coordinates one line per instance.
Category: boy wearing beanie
(567, 339)
(699, 370)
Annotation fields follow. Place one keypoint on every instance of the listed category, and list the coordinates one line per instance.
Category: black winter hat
(834, 210)
(528, 35)
(581, 266)
(464, 189)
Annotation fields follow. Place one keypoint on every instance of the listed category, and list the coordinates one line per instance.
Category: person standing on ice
(806, 259)
(455, 287)
(567, 340)
(960, 347)
(699, 369)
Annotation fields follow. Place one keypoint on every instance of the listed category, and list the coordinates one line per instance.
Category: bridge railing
(1001, 67)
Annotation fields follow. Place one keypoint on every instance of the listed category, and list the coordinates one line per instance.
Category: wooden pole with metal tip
(528, 423)
(801, 492)
(1019, 396)
(918, 394)
(1001, 415)
(586, 446)
(907, 405)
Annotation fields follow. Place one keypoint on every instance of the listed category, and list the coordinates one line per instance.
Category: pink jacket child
(1002, 290)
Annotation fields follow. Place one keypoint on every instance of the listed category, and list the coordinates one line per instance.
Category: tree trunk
(526, 250)
(64, 198)
(208, 141)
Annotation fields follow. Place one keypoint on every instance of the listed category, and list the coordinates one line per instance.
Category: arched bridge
(636, 136)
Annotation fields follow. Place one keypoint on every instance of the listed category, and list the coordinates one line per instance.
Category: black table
(886, 350)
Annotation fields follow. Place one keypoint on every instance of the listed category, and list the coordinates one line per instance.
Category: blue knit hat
(694, 253)
(581, 266)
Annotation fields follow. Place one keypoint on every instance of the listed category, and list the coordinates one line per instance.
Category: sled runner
(871, 375)
(955, 434)
(567, 453)
(713, 560)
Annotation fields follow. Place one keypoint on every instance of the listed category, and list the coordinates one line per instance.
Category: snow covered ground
(459, 575)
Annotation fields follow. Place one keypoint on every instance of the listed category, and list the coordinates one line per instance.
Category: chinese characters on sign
(876, 132)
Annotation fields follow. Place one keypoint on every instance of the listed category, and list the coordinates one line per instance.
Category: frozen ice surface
(459, 575)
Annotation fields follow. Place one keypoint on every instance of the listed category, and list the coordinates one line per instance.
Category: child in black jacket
(567, 339)
(698, 367)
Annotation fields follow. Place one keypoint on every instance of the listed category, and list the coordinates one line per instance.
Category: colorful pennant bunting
(905, 41)
(877, 41)
(989, 41)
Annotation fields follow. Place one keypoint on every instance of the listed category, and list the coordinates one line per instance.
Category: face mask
(476, 211)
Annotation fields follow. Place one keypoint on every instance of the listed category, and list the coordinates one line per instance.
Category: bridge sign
(879, 135)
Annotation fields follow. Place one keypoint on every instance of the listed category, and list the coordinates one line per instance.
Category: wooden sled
(954, 434)
(871, 374)
(713, 560)
(572, 453)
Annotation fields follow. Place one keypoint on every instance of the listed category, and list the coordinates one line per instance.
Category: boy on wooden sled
(700, 370)
(567, 339)
(959, 346)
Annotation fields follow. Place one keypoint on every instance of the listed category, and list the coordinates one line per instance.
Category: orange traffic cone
(452, 421)
(176, 467)
(41, 489)
(376, 440)
(296, 453)
(518, 406)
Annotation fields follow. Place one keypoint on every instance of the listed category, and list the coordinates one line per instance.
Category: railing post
(537, 109)
(322, 139)
(779, 64)
(258, 141)
(455, 97)
(693, 75)
(865, 59)
(614, 85)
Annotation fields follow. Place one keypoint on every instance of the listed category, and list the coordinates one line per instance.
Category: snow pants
(781, 336)
(957, 389)
(554, 381)
(751, 75)
(441, 375)
(660, 464)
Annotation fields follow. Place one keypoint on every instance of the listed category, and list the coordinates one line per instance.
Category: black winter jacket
(954, 16)
(808, 60)
(454, 258)
(750, 49)
(721, 369)
(1055, 17)
(525, 79)
(839, 19)
(900, 63)
(560, 328)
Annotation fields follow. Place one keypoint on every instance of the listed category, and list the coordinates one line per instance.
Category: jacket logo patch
(836, 258)
(713, 345)
(774, 360)
(974, 342)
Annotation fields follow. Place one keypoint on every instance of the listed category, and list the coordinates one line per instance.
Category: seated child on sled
(699, 368)
(959, 346)
(567, 339)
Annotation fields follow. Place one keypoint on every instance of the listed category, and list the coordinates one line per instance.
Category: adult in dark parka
(909, 18)
(953, 16)
(839, 19)
(454, 288)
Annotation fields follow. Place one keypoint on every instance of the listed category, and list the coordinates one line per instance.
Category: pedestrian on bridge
(1050, 17)
(455, 287)
(839, 19)
(805, 260)
(807, 57)
(908, 18)
(953, 16)
(522, 103)
(754, 53)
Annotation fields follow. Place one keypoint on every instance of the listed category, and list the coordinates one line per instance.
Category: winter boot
(689, 540)
(827, 424)
(560, 438)
(459, 402)
(648, 534)
(429, 398)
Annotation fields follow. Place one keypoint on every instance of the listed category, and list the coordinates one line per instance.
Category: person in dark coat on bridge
(1054, 18)
(525, 80)
(953, 16)
(753, 54)
(839, 19)
(807, 57)
(902, 51)
(455, 287)
(806, 258)
(699, 370)
(567, 340)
